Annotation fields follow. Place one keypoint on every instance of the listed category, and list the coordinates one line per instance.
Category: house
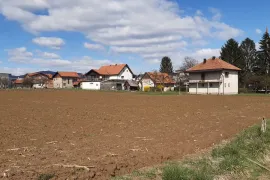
(154, 79)
(5, 81)
(213, 76)
(131, 85)
(110, 77)
(18, 83)
(64, 79)
(40, 80)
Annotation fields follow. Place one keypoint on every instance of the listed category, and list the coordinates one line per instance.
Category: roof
(40, 73)
(111, 69)
(132, 83)
(18, 81)
(68, 74)
(213, 64)
(158, 77)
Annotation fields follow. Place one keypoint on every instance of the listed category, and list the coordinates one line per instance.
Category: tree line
(254, 64)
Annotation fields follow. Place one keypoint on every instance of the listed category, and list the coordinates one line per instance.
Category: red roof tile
(110, 69)
(68, 74)
(161, 77)
(18, 81)
(213, 64)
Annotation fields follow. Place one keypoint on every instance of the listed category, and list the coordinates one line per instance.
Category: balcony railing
(205, 81)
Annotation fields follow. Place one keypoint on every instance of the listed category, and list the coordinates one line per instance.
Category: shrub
(243, 90)
(160, 87)
(146, 89)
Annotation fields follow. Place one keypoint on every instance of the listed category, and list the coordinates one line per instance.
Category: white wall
(57, 82)
(90, 85)
(39, 86)
(147, 82)
(127, 75)
(230, 85)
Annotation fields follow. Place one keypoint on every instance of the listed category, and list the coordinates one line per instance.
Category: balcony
(206, 81)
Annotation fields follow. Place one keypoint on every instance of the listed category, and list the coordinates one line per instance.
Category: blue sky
(69, 35)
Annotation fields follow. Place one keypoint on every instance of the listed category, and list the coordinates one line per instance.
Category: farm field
(44, 133)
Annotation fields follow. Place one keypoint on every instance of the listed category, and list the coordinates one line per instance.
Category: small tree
(42, 81)
(166, 65)
(5, 82)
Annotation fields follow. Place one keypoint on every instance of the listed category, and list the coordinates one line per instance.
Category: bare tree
(189, 62)
(28, 82)
(43, 81)
(155, 79)
(4, 82)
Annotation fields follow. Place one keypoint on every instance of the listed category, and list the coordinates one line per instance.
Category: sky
(68, 35)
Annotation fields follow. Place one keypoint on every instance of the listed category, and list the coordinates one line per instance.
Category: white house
(213, 76)
(114, 76)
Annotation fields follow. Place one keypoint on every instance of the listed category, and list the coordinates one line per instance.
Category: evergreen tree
(263, 61)
(166, 65)
(232, 54)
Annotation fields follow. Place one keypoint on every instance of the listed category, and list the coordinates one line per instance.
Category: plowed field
(46, 132)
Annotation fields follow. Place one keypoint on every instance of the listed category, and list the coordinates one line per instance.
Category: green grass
(235, 158)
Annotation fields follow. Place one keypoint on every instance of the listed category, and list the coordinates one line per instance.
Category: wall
(231, 83)
(125, 72)
(67, 82)
(146, 82)
(57, 82)
(90, 85)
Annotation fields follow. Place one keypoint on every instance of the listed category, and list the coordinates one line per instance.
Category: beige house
(213, 76)
(151, 80)
(64, 79)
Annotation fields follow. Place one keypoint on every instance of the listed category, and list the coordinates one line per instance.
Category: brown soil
(112, 133)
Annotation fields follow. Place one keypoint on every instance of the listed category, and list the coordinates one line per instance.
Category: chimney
(214, 57)
(204, 61)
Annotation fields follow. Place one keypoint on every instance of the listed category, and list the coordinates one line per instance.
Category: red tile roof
(38, 73)
(110, 69)
(68, 74)
(18, 81)
(160, 77)
(213, 64)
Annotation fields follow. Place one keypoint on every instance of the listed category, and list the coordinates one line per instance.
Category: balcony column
(208, 88)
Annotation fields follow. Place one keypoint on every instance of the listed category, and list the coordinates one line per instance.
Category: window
(203, 76)
(122, 77)
(127, 70)
(64, 84)
(226, 74)
(91, 83)
(228, 84)
(96, 84)
(211, 84)
(202, 84)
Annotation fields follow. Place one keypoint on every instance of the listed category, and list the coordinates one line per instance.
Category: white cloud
(48, 55)
(51, 42)
(216, 13)
(16, 71)
(19, 54)
(146, 28)
(199, 13)
(258, 31)
(95, 47)
(257, 45)
(45, 61)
